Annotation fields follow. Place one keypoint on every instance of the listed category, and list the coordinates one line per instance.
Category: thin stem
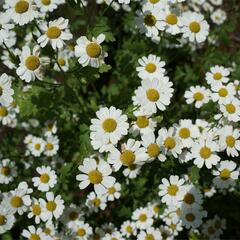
(106, 9)
(10, 53)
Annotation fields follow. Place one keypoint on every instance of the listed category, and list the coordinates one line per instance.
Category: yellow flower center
(3, 112)
(225, 174)
(150, 20)
(152, 95)
(2, 220)
(53, 32)
(35, 236)
(127, 158)
(16, 202)
(184, 133)
(81, 232)
(230, 141)
(129, 229)
(109, 125)
(142, 122)
(96, 202)
(172, 190)
(150, 67)
(47, 231)
(173, 226)
(111, 190)
(153, 150)
(95, 177)
(93, 50)
(230, 108)
(46, 2)
(21, 7)
(156, 209)
(37, 146)
(5, 171)
(190, 217)
(223, 92)
(36, 209)
(44, 178)
(32, 63)
(73, 216)
(154, 1)
(189, 198)
(49, 146)
(205, 152)
(51, 206)
(14, 104)
(142, 217)
(198, 96)
(149, 237)
(61, 61)
(217, 76)
(195, 27)
(170, 143)
(172, 19)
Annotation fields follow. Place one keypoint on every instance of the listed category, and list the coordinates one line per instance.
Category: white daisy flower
(35, 233)
(52, 206)
(148, 21)
(108, 128)
(5, 27)
(8, 171)
(128, 229)
(36, 146)
(153, 95)
(158, 4)
(90, 52)
(150, 67)
(50, 128)
(95, 202)
(230, 109)
(49, 229)
(113, 192)
(46, 180)
(82, 230)
(7, 219)
(219, 224)
(155, 208)
(194, 27)
(171, 190)
(170, 143)
(51, 146)
(21, 11)
(204, 151)
(31, 64)
(221, 92)
(149, 233)
(219, 16)
(48, 5)
(143, 218)
(124, 1)
(18, 200)
(226, 174)
(56, 32)
(192, 217)
(36, 211)
(7, 115)
(131, 154)
(97, 174)
(153, 146)
(216, 2)
(229, 140)
(114, 235)
(237, 86)
(63, 61)
(217, 74)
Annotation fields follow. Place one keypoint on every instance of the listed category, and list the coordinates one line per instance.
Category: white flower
(36, 211)
(124, 1)
(6, 90)
(55, 32)
(21, 11)
(36, 146)
(90, 52)
(216, 2)
(219, 16)
(51, 145)
(226, 174)
(229, 140)
(217, 74)
(153, 146)
(7, 219)
(96, 173)
(114, 235)
(195, 28)
(46, 180)
(52, 207)
(48, 5)
(149, 233)
(171, 190)
(113, 192)
(35, 233)
(153, 95)
(204, 151)
(131, 154)
(150, 67)
(128, 229)
(143, 218)
(95, 202)
(108, 128)
(169, 142)
(231, 109)
(63, 61)
(221, 92)
(19, 199)
(7, 115)
(82, 230)
(148, 21)
(8, 171)
(5, 27)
